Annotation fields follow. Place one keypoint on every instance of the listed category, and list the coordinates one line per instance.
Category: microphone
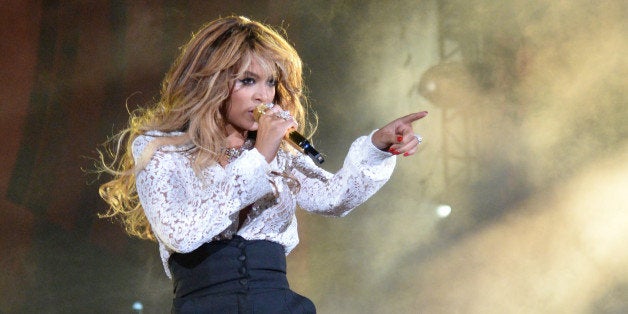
(293, 137)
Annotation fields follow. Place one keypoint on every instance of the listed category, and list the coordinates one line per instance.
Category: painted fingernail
(406, 154)
(399, 138)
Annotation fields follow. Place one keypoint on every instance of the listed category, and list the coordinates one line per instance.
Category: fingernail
(406, 154)
(399, 138)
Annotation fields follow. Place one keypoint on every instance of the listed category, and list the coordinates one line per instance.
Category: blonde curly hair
(193, 103)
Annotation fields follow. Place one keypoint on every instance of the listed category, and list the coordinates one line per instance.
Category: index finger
(413, 117)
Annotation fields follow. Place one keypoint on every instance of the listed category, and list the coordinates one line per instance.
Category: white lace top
(186, 210)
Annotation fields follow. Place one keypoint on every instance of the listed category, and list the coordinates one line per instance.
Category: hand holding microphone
(293, 137)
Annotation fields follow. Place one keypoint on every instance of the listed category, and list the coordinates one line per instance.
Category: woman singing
(217, 186)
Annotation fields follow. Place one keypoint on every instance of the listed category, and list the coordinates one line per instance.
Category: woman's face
(253, 88)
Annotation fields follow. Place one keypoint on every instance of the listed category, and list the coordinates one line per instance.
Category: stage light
(138, 306)
(448, 85)
(443, 210)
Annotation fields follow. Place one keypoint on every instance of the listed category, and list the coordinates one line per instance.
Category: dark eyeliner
(247, 81)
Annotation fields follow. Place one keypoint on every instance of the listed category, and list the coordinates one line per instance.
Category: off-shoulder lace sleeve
(365, 170)
(185, 209)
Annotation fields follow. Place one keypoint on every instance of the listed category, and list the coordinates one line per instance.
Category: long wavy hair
(192, 107)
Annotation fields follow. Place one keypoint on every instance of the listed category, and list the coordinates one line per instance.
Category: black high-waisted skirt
(234, 276)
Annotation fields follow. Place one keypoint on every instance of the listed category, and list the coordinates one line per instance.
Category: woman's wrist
(377, 140)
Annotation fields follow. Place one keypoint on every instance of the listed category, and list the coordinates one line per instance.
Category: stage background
(526, 142)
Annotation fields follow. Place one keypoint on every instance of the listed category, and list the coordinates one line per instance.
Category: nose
(265, 93)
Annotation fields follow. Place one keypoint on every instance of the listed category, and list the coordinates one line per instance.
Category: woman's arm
(364, 172)
(368, 165)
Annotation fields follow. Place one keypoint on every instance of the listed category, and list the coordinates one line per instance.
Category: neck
(235, 138)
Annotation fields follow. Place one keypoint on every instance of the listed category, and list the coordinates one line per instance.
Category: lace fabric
(186, 209)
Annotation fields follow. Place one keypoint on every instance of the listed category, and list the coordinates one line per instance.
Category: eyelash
(247, 81)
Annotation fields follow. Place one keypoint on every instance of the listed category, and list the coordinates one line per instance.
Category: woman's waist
(229, 265)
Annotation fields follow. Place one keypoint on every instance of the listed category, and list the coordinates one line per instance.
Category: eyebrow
(251, 74)
(255, 75)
